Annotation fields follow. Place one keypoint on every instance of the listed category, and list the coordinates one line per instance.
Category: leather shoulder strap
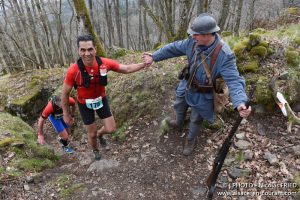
(215, 56)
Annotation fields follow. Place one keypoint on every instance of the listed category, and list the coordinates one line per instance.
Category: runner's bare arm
(65, 103)
(126, 69)
(40, 130)
(73, 108)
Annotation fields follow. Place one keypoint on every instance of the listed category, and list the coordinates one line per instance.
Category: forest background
(42, 33)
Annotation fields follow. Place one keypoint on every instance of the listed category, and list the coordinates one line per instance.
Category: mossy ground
(141, 95)
(254, 53)
(66, 185)
(28, 156)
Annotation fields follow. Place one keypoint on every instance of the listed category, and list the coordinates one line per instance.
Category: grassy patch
(66, 186)
(2, 170)
(29, 156)
(67, 192)
(239, 157)
(34, 164)
(119, 134)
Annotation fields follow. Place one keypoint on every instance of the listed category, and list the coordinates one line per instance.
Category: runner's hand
(41, 140)
(68, 119)
(147, 57)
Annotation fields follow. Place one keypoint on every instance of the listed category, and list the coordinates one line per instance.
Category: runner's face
(87, 52)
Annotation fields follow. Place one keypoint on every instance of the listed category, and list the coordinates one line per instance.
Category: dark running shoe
(68, 149)
(97, 155)
(102, 141)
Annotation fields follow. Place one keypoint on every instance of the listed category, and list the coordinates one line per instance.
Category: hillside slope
(142, 163)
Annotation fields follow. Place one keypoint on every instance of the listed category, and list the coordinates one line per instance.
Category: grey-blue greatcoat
(225, 66)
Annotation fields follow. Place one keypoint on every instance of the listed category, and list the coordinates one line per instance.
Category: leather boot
(189, 146)
(173, 124)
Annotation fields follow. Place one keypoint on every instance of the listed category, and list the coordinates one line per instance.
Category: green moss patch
(19, 139)
(34, 164)
(251, 66)
(254, 39)
(293, 10)
(239, 50)
(226, 33)
(260, 51)
(263, 95)
(292, 58)
(259, 30)
(66, 185)
(296, 41)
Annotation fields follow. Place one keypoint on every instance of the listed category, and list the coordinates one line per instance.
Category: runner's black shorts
(88, 115)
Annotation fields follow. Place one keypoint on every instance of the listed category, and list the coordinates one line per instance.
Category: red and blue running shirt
(74, 77)
(48, 110)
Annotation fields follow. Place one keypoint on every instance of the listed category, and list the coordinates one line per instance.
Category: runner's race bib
(94, 104)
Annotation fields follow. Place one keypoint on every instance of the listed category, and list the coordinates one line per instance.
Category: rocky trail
(150, 166)
(263, 163)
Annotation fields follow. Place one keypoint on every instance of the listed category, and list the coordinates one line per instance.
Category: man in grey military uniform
(203, 39)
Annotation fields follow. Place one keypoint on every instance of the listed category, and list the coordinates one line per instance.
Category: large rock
(29, 106)
(242, 144)
(26, 93)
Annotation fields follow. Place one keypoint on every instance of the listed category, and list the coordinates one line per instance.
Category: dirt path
(146, 166)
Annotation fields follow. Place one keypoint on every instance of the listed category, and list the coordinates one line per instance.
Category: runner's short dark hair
(85, 38)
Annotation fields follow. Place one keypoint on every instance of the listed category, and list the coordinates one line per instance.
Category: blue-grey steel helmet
(203, 24)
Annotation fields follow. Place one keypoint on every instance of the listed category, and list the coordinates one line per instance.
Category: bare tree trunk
(127, 25)
(147, 34)
(109, 23)
(18, 47)
(70, 29)
(4, 65)
(168, 12)
(158, 21)
(174, 5)
(33, 35)
(163, 16)
(206, 5)
(90, 3)
(201, 6)
(133, 43)
(238, 17)
(141, 39)
(85, 25)
(18, 26)
(252, 3)
(4, 13)
(224, 13)
(184, 20)
(118, 23)
(60, 30)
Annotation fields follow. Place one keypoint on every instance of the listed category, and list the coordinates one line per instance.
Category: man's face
(202, 39)
(87, 52)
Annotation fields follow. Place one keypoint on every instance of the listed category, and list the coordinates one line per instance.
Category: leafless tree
(85, 25)
(238, 16)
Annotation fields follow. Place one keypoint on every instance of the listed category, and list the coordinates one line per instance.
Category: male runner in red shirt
(86, 78)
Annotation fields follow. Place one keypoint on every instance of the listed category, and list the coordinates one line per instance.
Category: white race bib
(94, 104)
